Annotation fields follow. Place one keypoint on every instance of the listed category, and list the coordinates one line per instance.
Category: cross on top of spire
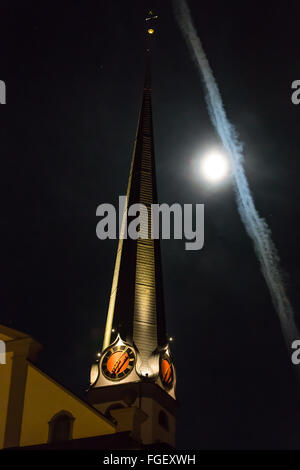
(150, 18)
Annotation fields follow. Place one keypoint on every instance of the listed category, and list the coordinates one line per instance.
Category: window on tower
(163, 420)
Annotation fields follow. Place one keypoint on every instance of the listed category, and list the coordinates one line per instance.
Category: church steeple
(136, 294)
(136, 308)
(135, 348)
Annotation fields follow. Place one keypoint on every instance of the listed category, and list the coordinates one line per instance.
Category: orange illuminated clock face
(118, 362)
(166, 372)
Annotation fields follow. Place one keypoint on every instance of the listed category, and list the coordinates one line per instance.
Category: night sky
(74, 73)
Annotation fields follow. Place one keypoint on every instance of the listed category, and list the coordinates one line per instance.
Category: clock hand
(118, 362)
(121, 364)
(164, 377)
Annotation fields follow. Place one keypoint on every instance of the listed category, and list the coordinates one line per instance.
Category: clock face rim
(112, 350)
(167, 358)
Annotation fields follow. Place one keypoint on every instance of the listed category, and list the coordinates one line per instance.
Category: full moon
(214, 166)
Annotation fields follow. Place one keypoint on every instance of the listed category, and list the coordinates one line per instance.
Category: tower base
(142, 407)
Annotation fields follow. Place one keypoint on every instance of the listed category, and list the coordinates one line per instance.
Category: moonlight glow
(214, 166)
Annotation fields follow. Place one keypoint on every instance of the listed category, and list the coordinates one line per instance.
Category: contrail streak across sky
(256, 227)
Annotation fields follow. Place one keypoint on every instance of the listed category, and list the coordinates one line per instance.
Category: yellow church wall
(5, 377)
(43, 399)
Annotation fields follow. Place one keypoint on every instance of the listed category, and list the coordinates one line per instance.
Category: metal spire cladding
(136, 308)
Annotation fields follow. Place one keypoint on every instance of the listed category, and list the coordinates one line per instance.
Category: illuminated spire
(139, 347)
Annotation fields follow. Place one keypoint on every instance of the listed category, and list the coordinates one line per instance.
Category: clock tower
(134, 379)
